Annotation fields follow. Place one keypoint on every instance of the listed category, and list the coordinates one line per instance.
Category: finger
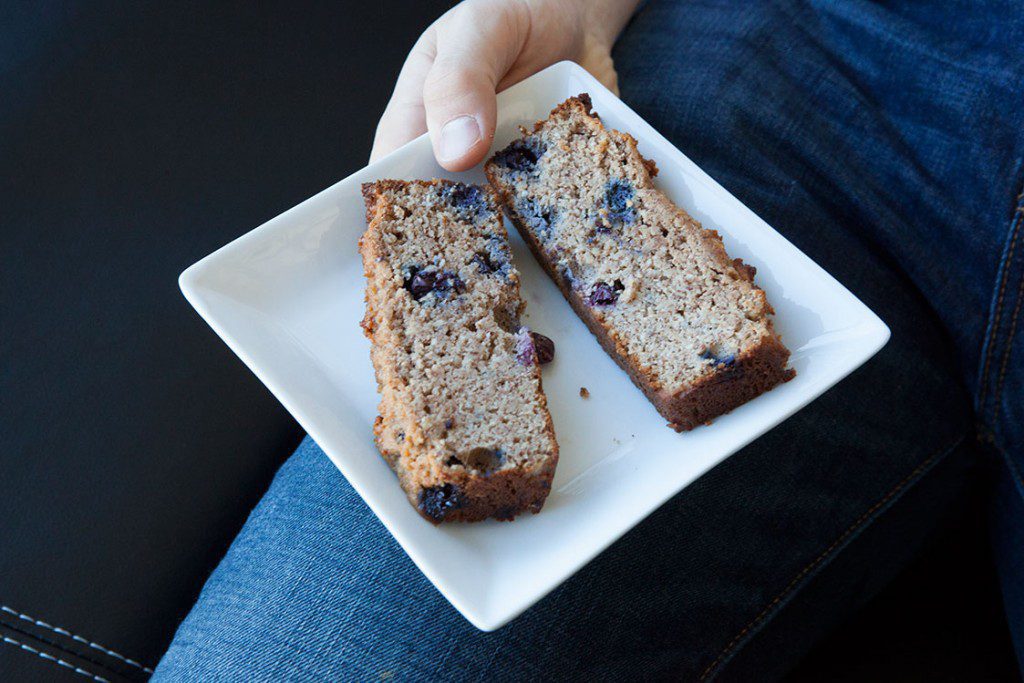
(404, 119)
(475, 48)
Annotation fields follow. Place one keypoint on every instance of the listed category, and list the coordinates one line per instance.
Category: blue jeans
(888, 146)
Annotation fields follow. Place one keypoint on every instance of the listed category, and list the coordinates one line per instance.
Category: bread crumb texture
(658, 290)
(463, 419)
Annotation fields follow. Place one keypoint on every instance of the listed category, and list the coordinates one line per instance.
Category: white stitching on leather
(80, 639)
(51, 658)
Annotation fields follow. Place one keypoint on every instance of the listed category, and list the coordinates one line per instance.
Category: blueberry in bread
(463, 420)
(659, 291)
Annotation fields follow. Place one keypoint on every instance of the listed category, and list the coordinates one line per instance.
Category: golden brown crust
(755, 371)
(501, 496)
(581, 104)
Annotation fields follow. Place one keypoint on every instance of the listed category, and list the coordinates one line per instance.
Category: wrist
(603, 20)
(581, 30)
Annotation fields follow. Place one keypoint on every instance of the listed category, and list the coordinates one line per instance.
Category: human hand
(480, 47)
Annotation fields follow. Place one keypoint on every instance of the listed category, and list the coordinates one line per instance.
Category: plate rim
(872, 339)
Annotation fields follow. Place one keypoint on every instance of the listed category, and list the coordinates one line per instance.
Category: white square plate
(288, 297)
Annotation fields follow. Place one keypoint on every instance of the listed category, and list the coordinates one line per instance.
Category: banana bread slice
(463, 419)
(659, 291)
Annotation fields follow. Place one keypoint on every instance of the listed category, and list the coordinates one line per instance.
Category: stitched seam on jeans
(814, 564)
(77, 638)
(55, 660)
(993, 326)
(1009, 348)
(58, 646)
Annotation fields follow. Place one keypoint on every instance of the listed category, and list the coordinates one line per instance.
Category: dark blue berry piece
(618, 195)
(520, 156)
(493, 260)
(437, 502)
(537, 218)
(526, 350)
(604, 294)
(543, 347)
(498, 255)
(728, 360)
(447, 281)
(483, 262)
(533, 348)
(422, 282)
(419, 282)
(469, 199)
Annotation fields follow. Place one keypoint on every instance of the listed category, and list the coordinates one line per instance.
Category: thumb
(474, 51)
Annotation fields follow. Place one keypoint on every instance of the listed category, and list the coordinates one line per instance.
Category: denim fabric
(887, 146)
(880, 120)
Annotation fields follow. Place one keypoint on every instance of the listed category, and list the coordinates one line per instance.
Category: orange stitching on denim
(996, 314)
(821, 558)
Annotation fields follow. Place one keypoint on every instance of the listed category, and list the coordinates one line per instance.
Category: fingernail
(457, 136)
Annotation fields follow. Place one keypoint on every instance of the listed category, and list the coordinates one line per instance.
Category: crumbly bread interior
(676, 308)
(463, 420)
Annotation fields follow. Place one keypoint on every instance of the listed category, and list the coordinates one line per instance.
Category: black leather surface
(135, 139)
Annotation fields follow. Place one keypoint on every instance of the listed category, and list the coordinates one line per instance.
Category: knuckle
(449, 81)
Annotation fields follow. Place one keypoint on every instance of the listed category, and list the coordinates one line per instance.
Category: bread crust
(501, 494)
(754, 371)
